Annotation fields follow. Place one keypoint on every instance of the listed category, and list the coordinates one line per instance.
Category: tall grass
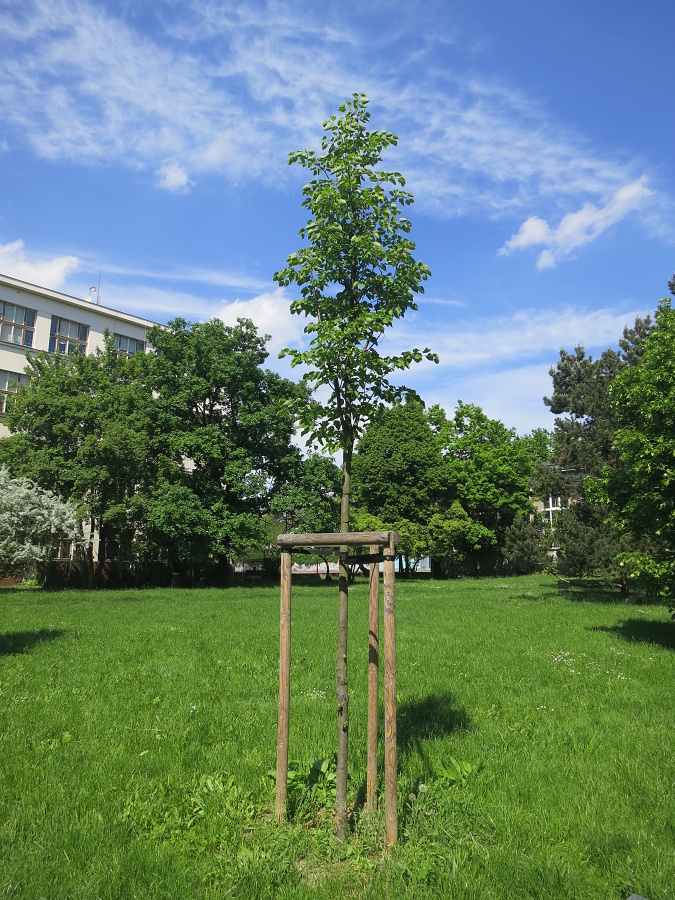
(536, 731)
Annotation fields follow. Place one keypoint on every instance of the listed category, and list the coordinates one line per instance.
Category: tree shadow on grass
(643, 632)
(599, 590)
(23, 641)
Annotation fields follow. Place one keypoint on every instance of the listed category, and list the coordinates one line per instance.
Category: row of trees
(183, 460)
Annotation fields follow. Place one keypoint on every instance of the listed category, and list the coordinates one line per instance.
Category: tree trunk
(89, 556)
(342, 686)
(623, 586)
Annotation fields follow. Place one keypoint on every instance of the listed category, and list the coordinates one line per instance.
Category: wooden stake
(342, 705)
(373, 675)
(390, 810)
(284, 683)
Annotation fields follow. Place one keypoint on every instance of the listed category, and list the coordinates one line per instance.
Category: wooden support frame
(376, 541)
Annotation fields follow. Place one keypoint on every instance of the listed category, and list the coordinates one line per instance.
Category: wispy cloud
(213, 278)
(15, 262)
(500, 341)
(514, 396)
(503, 364)
(155, 303)
(230, 88)
(577, 228)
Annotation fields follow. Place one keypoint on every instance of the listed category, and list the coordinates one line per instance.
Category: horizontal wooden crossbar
(349, 539)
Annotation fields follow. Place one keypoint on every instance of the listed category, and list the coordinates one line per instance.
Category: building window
(126, 346)
(9, 384)
(17, 324)
(554, 506)
(67, 337)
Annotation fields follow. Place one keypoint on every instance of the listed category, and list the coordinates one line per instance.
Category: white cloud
(502, 364)
(577, 228)
(15, 262)
(173, 177)
(228, 89)
(270, 312)
(190, 274)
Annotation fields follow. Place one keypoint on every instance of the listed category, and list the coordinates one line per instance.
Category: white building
(35, 318)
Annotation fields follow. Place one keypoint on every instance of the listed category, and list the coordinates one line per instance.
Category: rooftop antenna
(95, 290)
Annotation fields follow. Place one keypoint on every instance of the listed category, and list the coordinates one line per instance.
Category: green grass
(536, 731)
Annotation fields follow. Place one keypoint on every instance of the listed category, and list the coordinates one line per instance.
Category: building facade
(35, 318)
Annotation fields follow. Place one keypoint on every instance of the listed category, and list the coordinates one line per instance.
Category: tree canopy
(640, 489)
(583, 446)
(84, 427)
(229, 424)
(399, 471)
(489, 469)
(356, 275)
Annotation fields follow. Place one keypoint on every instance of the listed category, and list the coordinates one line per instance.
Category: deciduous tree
(356, 274)
(640, 488)
(310, 500)
(33, 522)
(398, 470)
(489, 469)
(229, 424)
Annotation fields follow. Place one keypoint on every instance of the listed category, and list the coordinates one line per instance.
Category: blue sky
(148, 141)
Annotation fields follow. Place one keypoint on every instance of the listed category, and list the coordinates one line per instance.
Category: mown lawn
(536, 735)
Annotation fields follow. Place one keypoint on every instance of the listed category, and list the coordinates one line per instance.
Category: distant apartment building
(35, 318)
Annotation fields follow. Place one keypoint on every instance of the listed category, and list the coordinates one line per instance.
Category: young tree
(356, 275)
(33, 522)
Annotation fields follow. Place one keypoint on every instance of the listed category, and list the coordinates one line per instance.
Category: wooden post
(342, 696)
(284, 683)
(373, 675)
(390, 809)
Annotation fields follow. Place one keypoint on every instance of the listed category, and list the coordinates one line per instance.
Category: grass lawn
(137, 729)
